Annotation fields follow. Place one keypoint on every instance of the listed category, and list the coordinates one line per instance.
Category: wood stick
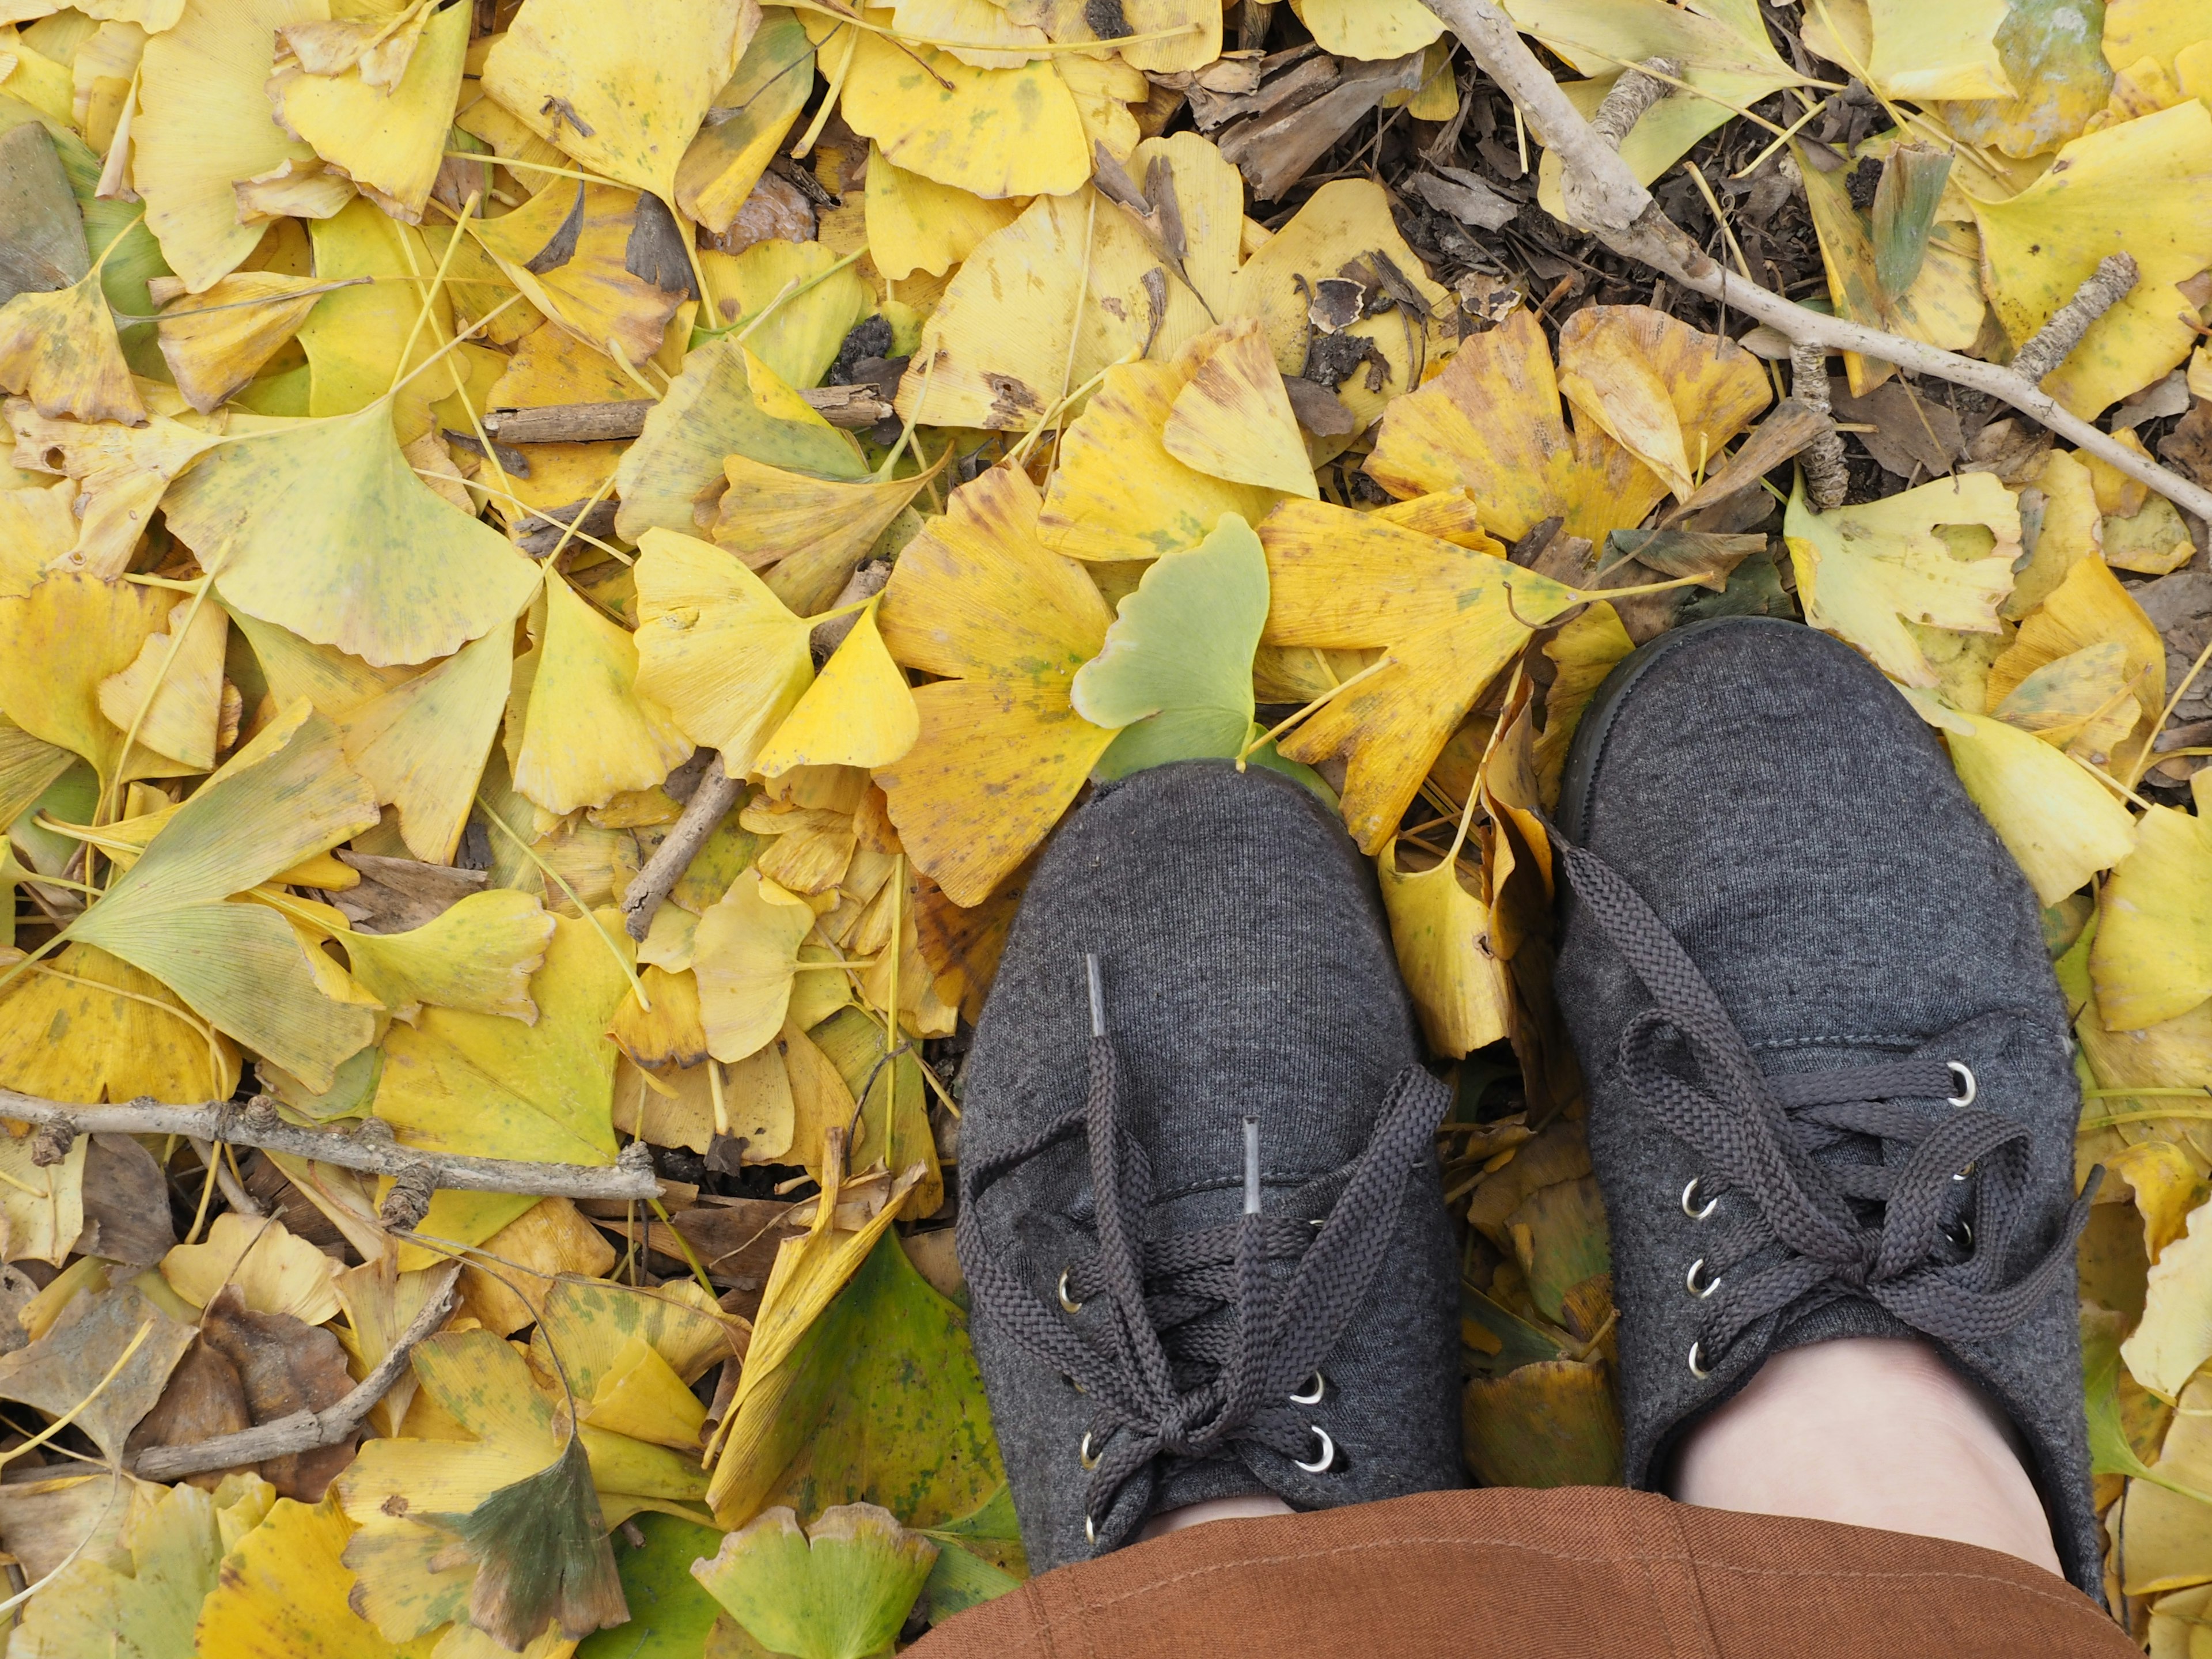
(852, 407)
(1603, 197)
(1827, 480)
(302, 1431)
(710, 805)
(630, 1176)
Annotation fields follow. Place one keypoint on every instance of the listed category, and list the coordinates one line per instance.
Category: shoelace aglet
(1251, 1166)
(1097, 994)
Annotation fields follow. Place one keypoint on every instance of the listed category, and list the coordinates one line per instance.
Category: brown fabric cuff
(1590, 1572)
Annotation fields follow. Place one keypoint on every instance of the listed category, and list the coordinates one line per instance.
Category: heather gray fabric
(1796, 828)
(1246, 971)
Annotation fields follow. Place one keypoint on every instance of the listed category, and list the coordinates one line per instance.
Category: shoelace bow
(1162, 1301)
(1761, 1137)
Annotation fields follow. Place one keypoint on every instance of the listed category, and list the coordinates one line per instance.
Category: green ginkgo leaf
(841, 1592)
(540, 1551)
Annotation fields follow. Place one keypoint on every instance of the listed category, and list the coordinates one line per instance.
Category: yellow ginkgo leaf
(617, 1348)
(747, 122)
(859, 712)
(179, 691)
(478, 956)
(547, 368)
(808, 533)
(2090, 607)
(28, 766)
(2144, 186)
(59, 349)
(2058, 821)
(621, 89)
(979, 598)
(715, 647)
(2069, 532)
(1369, 29)
(59, 643)
(992, 132)
(727, 402)
(242, 966)
(36, 529)
(1440, 932)
(642, 1397)
(216, 342)
(525, 1259)
(422, 743)
(668, 1036)
(203, 124)
(2153, 958)
(282, 1591)
(297, 670)
(2085, 702)
(575, 248)
(120, 470)
(2174, 1337)
(914, 224)
(389, 139)
(588, 733)
(1863, 573)
(1232, 419)
(323, 528)
(976, 21)
(130, 1035)
(1925, 53)
(1669, 394)
(1450, 617)
(275, 1271)
(364, 338)
(747, 957)
(41, 1205)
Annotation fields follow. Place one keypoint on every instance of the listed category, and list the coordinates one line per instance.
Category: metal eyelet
(1321, 1465)
(1319, 1384)
(1961, 1234)
(1965, 1074)
(1690, 1280)
(1697, 1353)
(1090, 1530)
(1690, 1199)
(1084, 1455)
(1071, 1307)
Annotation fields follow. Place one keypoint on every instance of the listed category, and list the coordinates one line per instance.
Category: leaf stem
(1289, 720)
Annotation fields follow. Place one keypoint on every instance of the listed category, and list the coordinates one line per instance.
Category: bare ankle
(1871, 1432)
(1213, 1508)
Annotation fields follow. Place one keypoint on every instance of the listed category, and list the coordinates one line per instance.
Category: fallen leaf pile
(462, 448)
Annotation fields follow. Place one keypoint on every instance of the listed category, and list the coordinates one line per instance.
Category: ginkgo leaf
(574, 249)
(59, 349)
(546, 368)
(2084, 701)
(323, 528)
(2153, 956)
(800, 300)
(747, 957)
(41, 1207)
(282, 1592)
(179, 691)
(203, 122)
(541, 1553)
(727, 402)
(808, 533)
(492, 1087)
(2061, 74)
(59, 1372)
(129, 1036)
(1118, 493)
(1440, 932)
(478, 956)
(2173, 1337)
(992, 132)
(1174, 677)
(422, 743)
(1669, 394)
(1863, 573)
(859, 712)
(364, 339)
(588, 733)
(388, 139)
(978, 598)
(1233, 420)
(621, 89)
(141, 1599)
(275, 1269)
(838, 1590)
(2144, 186)
(715, 647)
(1927, 52)
(216, 342)
(1450, 617)
(747, 121)
(60, 642)
(1369, 29)
(240, 965)
(644, 1398)
(915, 223)
(122, 472)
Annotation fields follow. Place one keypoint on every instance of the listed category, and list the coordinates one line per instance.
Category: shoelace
(1762, 1137)
(1199, 1303)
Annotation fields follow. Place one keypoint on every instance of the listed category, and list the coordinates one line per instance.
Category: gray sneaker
(1830, 1091)
(1200, 1216)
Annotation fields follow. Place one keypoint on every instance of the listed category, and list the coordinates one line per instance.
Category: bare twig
(710, 805)
(211, 1158)
(863, 584)
(302, 1431)
(2048, 346)
(1634, 93)
(630, 1176)
(1602, 196)
(1826, 479)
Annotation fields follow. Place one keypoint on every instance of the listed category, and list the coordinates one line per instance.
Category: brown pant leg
(1579, 1572)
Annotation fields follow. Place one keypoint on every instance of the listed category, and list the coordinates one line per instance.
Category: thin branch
(710, 805)
(257, 1125)
(1827, 479)
(303, 1430)
(1602, 196)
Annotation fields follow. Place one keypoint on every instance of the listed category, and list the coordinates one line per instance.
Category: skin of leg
(1213, 1508)
(1870, 1432)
